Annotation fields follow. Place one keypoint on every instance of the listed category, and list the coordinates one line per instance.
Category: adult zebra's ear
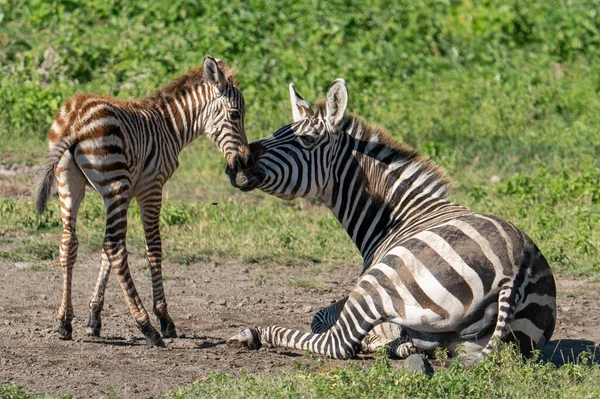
(213, 74)
(337, 101)
(300, 108)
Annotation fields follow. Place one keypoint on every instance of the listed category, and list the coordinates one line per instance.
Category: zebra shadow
(116, 341)
(563, 351)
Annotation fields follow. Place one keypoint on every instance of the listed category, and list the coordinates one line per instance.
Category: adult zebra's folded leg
(71, 190)
(326, 317)
(390, 334)
(506, 307)
(150, 205)
(117, 204)
(342, 341)
(400, 345)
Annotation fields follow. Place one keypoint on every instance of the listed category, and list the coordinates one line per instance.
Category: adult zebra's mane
(383, 157)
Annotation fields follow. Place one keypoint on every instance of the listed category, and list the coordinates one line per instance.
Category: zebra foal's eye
(234, 114)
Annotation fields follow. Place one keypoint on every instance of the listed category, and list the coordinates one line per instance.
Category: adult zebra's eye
(308, 139)
(234, 114)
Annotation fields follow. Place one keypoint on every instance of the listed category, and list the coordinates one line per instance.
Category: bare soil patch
(209, 302)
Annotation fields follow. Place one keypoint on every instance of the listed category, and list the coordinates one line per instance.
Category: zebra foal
(128, 149)
(444, 275)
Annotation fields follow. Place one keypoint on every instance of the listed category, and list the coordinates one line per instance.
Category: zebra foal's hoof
(65, 330)
(94, 325)
(247, 338)
(167, 327)
(152, 337)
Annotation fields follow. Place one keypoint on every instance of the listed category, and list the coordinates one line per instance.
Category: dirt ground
(209, 303)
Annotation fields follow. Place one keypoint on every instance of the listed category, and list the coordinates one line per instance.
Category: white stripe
(432, 287)
(454, 260)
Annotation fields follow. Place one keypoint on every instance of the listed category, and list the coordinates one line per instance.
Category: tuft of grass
(31, 249)
(16, 391)
(310, 285)
(259, 278)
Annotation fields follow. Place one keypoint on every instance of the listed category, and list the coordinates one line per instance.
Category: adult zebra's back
(445, 275)
(128, 149)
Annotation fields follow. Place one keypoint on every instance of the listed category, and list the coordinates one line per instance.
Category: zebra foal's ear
(337, 101)
(300, 108)
(212, 73)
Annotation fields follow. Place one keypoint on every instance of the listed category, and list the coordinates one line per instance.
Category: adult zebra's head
(222, 119)
(295, 160)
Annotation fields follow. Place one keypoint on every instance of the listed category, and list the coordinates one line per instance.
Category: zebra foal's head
(223, 117)
(295, 160)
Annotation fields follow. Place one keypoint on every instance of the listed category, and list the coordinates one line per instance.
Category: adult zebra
(446, 275)
(128, 149)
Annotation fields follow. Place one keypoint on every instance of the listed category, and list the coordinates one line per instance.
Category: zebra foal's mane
(187, 82)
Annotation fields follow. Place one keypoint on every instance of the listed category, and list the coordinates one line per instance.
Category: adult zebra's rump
(128, 149)
(445, 275)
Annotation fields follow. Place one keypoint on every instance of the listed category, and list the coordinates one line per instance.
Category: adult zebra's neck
(378, 186)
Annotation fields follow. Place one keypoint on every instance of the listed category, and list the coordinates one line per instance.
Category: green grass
(509, 89)
(15, 391)
(484, 89)
(505, 376)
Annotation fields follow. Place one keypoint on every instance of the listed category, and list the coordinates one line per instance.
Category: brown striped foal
(128, 149)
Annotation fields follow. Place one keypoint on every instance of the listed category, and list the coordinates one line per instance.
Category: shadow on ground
(565, 351)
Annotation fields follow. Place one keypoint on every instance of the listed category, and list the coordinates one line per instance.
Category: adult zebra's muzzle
(247, 175)
(245, 180)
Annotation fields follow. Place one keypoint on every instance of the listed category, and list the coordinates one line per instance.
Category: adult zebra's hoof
(94, 325)
(65, 330)
(248, 338)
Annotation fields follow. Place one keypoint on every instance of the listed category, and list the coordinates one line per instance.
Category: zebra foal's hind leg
(71, 190)
(97, 301)
(150, 205)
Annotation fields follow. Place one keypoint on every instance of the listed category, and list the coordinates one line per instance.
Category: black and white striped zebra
(382, 334)
(446, 275)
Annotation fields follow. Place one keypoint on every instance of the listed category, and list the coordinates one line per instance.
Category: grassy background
(485, 88)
